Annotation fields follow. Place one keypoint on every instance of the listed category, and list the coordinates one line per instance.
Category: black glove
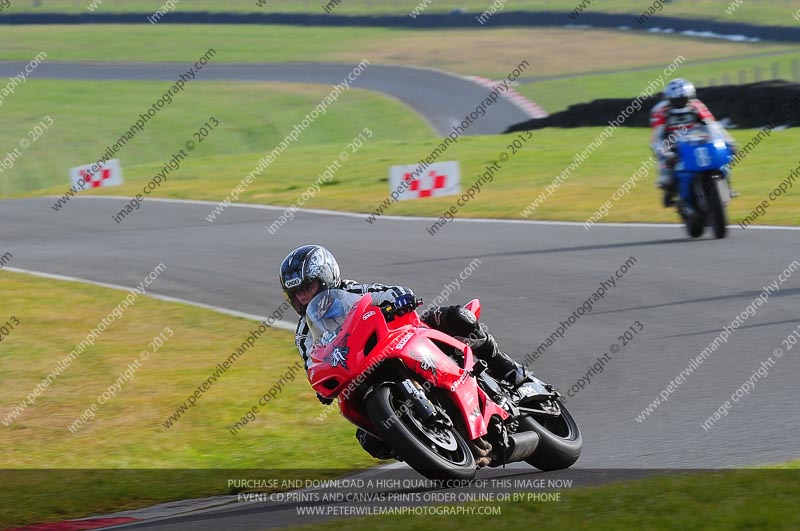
(392, 306)
(406, 303)
(325, 401)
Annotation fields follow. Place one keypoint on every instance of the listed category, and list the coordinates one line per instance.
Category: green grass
(761, 12)
(361, 185)
(714, 501)
(598, 54)
(184, 43)
(465, 51)
(254, 117)
(558, 94)
(127, 432)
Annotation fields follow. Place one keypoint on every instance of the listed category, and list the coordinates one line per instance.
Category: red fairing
(340, 367)
(334, 365)
(475, 307)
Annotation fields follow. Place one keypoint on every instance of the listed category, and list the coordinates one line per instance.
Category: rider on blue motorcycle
(680, 110)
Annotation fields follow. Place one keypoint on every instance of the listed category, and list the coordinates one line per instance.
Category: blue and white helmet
(679, 92)
(307, 265)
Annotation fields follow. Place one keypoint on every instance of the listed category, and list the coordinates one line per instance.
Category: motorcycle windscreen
(326, 313)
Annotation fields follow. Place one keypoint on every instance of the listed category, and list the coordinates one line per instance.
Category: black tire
(695, 227)
(560, 440)
(716, 210)
(695, 222)
(405, 436)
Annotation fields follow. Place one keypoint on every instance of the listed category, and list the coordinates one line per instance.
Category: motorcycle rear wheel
(560, 440)
(436, 453)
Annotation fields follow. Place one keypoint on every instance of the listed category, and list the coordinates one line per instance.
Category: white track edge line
(281, 325)
(421, 218)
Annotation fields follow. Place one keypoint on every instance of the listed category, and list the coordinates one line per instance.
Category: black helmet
(306, 266)
(679, 92)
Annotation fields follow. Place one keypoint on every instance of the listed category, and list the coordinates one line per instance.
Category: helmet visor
(301, 293)
(680, 103)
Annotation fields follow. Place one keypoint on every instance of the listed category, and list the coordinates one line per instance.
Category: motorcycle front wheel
(716, 208)
(437, 452)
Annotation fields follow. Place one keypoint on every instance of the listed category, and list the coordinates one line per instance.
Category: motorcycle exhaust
(521, 446)
(482, 451)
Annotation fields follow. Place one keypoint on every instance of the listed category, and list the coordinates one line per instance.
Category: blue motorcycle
(701, 176)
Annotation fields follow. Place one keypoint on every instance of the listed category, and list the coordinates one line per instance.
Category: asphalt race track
(531, 276)
(441, 98)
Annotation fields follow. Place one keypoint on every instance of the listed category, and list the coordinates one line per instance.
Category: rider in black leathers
(311, 269)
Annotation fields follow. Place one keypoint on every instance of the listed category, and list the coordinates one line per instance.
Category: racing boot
(669, 195)
(666, 181)
(500, 364)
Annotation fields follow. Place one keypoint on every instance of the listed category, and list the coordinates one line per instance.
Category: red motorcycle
(426, 396)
